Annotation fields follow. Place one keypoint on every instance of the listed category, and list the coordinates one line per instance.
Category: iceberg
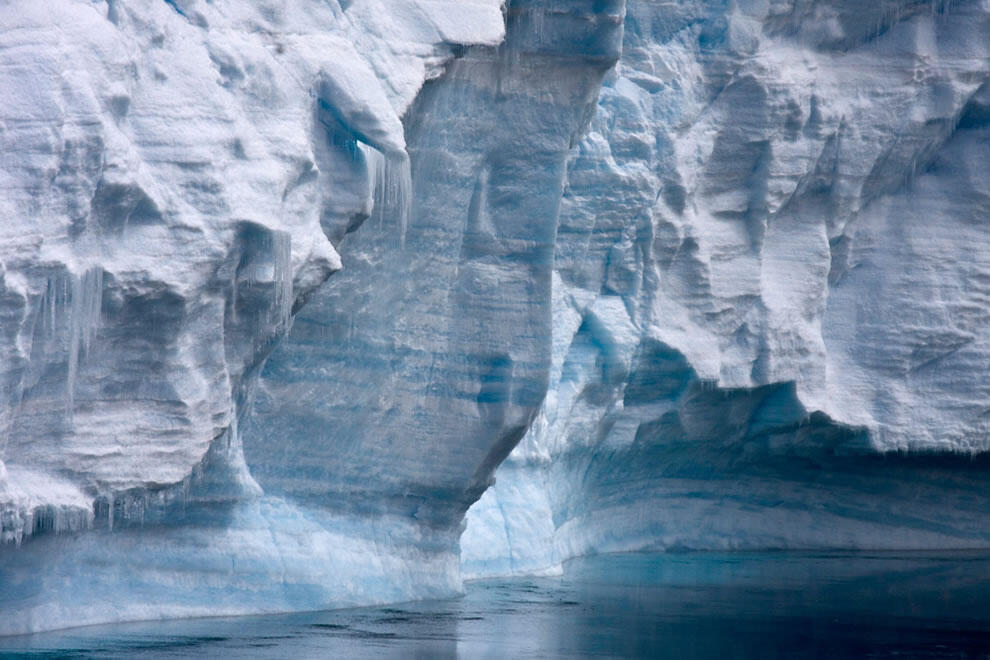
(332, 303)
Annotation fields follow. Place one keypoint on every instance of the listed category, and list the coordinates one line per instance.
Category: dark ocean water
(759, 605)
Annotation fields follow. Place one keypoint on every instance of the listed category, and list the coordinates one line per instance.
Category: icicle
(232, 432)
(67, 318)
(403, 194)
(393, 189)
(282, 276)
(233, 298)
(51, 293)
(84, 320)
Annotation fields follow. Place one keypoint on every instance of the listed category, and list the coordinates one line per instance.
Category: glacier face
(170, 196)
(734, 296)
(771, 293)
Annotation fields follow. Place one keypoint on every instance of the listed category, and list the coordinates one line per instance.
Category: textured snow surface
(715, 273)
(772, 293)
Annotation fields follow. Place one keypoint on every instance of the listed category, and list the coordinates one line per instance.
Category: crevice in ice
(261, 280)
(175, 7)
(115, 206)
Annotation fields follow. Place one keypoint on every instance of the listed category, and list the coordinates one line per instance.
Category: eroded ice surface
(175, 173)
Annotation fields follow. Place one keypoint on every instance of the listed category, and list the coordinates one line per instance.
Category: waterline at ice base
(336, 303)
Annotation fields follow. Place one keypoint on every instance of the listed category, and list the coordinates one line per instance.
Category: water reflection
(656, 606)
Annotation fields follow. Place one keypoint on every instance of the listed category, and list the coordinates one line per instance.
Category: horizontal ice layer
(771, 319)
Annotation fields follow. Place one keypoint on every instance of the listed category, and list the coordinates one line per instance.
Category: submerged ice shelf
(687, 275)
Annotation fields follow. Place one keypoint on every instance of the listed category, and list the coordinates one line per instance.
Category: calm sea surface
(648, 606)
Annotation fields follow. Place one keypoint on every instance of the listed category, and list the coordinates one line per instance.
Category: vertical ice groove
(51, 295)
(282, 260)
(233, 297)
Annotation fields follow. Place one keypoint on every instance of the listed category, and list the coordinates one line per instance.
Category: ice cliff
(771, 288)
(282, 285)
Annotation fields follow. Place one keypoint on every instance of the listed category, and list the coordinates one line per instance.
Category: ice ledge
(267, 556)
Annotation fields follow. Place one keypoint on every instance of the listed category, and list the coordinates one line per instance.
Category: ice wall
(179, 195)
(164, 185)
(771, 286)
